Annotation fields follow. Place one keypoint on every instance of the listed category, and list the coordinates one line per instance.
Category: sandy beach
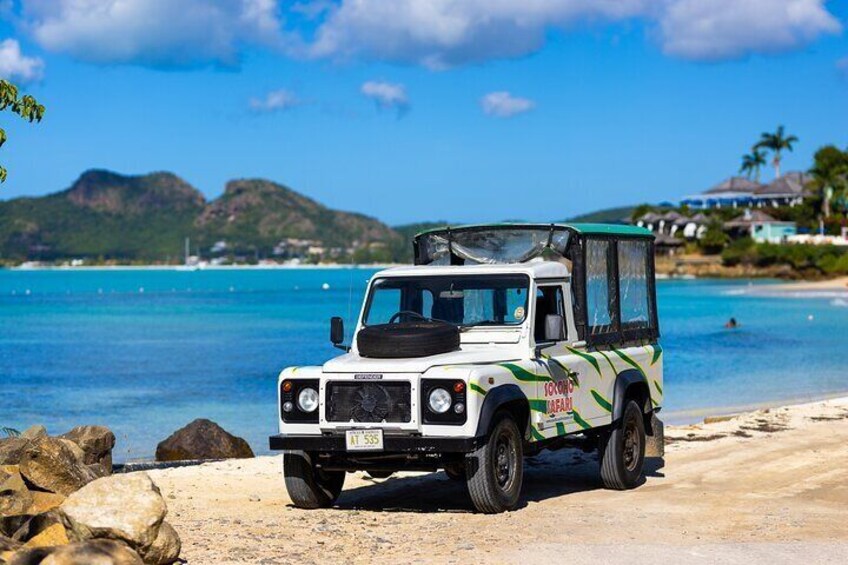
(766, 486)
(838, 284)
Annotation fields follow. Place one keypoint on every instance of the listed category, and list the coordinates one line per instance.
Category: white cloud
(275, 101)
(729, 29)
(505, 105)
(387, 95)
(445, 33)
(165, 33)
(16, 66)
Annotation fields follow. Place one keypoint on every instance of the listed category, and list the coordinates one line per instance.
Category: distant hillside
(108, 216)
(610, 215)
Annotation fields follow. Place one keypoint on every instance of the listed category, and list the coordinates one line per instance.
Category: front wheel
(495, 470)
(622, 450)
(309, 486)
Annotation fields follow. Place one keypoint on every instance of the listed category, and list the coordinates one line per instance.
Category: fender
(496, 398)
(622, 382)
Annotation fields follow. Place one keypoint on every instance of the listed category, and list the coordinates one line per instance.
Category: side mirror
(336, 330)
(554, 327)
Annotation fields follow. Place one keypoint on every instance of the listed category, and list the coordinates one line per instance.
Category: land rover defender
(500, 342)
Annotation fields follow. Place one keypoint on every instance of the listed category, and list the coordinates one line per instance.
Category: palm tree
(830, 175)
(752, 162)
(777, 143)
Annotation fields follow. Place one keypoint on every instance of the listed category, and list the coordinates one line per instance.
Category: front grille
(369, 402)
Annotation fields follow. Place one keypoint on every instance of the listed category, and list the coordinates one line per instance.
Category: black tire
(495, 471)
(455, 472)
(418, 338)
(622, 450)
(308, 486)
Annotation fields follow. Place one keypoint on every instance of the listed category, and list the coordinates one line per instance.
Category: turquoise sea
(146, 351)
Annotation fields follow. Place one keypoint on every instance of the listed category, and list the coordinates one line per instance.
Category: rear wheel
(622, 450)
(495, 470)
(309, 486)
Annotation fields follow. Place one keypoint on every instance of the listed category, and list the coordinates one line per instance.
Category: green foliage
(830, 179)
(24, 106)
(609, 215)
(776, 142)
(714, 239)
(10, 432)
(816, 259)
(752, 163)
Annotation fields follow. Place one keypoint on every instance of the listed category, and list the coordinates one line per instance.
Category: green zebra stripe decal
(658, 387)
(629, 361)
(538, 405)
(535, 433)
(590, 358)
(571, 374)
(604, 355)
(658, 350)
(560, 427)
(580, 421)
(602, 402)
(477, 388)
(524, 375)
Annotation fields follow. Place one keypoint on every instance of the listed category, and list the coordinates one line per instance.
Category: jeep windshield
(467, 300)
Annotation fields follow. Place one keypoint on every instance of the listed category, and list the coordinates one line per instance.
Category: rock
(11, 524)
(128, 508)
(202, 439)
(34, 432)
(49, 537)
(15, 498)
(51, 465)
(44, 501)
(94, 552)
(97, 442)
(12, 449)
(166, 547)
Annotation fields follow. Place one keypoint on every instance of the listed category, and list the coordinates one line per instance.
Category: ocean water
(146, 351)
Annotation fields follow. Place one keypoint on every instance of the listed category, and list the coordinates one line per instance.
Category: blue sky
(466, 110)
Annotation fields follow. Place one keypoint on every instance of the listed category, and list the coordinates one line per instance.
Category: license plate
(364, 440)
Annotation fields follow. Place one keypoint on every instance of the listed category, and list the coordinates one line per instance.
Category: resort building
(673, 224)
(739, 192)
(761, 227)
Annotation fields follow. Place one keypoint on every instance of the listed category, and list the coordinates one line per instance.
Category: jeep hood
(353, 363)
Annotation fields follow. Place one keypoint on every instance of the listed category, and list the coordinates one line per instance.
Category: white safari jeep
(501, 341)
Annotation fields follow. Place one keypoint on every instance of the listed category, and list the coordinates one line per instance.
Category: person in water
(731, 324)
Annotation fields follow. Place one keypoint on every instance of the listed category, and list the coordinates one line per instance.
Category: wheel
(622, 450)
(496, 469)
(309, 486)
(455, 471)
(419, 338)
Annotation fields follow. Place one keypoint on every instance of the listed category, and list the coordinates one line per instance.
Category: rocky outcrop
(15, 498)
(202, 439)
(51, 465)
(34, 432)
(97, 443)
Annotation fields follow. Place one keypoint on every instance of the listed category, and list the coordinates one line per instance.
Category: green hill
(609, 215)
(107, 216)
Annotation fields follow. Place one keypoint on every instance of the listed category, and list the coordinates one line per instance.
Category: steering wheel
(398, 315)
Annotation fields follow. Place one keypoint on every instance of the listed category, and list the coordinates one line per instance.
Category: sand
(811, 288)
(767, 486)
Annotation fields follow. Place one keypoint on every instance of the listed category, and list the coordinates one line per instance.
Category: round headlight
(440, 400)
(307, 400)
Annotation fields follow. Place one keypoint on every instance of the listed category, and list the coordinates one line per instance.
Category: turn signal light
(287, 386)
(458, 386)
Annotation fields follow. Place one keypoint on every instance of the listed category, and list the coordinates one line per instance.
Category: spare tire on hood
(418, 338)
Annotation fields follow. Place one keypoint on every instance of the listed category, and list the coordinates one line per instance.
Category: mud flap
(655, 443)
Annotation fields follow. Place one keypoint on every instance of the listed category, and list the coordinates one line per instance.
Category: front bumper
(335, 443)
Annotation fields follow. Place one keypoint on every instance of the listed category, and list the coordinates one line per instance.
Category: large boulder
(15, 498)
(50, 465)
(12, 449)
(127, 508)
(202, 439)
(94, 552)
(7, 548)
(97, 442)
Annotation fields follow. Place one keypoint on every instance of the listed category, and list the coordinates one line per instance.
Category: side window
(549, 301)
(600, 287)
(634, 295)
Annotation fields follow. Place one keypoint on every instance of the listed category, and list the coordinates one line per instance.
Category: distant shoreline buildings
(740, 192)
